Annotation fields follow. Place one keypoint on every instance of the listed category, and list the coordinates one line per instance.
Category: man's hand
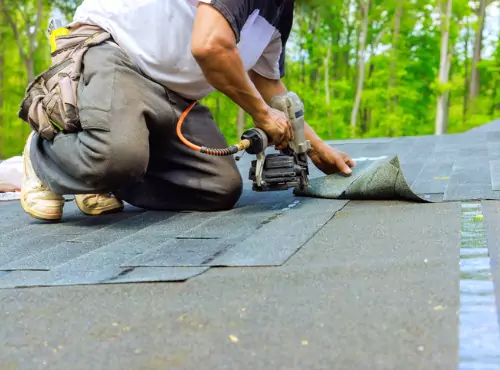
(277, 127)
(8, 188)
(330, 160)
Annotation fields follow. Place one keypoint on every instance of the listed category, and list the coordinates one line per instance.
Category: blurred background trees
(364, 68)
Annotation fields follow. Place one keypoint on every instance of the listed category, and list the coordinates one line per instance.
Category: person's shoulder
(276, 12)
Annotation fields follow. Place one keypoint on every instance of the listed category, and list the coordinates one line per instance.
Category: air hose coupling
(258, 140)
(254, 141)
(233, 149)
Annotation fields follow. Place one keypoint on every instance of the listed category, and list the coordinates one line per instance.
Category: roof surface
(311, 283)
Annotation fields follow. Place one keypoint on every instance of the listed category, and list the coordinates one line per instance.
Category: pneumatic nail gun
(276, 171)
(288, 168)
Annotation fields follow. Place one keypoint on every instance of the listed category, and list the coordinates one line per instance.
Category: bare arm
(214, 47)
(326, 158)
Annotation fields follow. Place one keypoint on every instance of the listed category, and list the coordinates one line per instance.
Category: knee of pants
(228, 191)
(122, 163)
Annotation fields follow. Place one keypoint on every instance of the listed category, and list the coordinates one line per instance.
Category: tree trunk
(313, 26)
(327, 90)
(364, 9)
(347, 46)
(368, 112)
(357, 33)
(302, 46)
(240, 126)
(393, 97)
(31, 31)
(447, 98)
(363, 116)
(466, 75)
(302, 67)
(494, 104)
(336, 70)
(474, 78)
(442, 101)
(30, 68)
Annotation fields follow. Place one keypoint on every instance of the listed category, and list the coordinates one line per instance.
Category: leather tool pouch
(50, 104)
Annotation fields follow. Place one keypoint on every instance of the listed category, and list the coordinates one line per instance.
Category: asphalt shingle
(264, 228)
(376, 288)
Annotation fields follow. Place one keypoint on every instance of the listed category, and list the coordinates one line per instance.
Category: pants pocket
(97, 87)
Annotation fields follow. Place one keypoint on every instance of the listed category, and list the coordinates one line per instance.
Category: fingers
(286, 130)
(350, 162)
(7, 188)
(347, 159)
(278, 128)
(282, 143)
(344, 163)
(289, 127)
(343, 167)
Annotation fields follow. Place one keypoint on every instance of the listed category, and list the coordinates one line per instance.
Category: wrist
(316, 142)
(317, 147)
(260, 113)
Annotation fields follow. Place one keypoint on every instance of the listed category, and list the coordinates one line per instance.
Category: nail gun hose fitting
(233, 149)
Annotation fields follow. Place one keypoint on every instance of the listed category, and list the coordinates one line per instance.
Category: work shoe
(37, 199)
(98, 204)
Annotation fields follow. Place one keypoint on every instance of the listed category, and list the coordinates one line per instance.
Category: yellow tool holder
(56, 33)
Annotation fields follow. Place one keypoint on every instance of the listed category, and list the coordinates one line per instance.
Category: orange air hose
(233, 149)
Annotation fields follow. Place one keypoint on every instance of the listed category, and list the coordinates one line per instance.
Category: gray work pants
(129, 145)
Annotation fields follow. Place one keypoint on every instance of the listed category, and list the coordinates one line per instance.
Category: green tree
(67, 7)
(372, 64)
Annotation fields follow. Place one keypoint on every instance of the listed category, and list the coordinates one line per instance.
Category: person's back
(157, 35)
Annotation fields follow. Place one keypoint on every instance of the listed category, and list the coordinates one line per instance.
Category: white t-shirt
(156, 34)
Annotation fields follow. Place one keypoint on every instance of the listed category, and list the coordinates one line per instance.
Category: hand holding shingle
(330, 160)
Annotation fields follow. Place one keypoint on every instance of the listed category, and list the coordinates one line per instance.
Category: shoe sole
(40, 216)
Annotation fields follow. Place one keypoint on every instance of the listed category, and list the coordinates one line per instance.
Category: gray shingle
(157, 274)
(495, 174)
(470, 180)
(279, 238)
(23, 279)
(34, 242)
(264, 238)
(257, 231)
(411, 170)
(181, 253)
(464, 192)
(433, 178)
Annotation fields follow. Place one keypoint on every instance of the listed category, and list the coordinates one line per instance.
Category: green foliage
(401, 71)
(67, 7)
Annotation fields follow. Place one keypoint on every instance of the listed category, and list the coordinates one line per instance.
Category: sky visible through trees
(364, 68)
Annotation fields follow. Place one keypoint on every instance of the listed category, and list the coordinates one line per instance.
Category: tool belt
(50, 104)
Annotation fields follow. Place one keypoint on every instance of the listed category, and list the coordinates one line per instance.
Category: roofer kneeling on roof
(140, 65)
